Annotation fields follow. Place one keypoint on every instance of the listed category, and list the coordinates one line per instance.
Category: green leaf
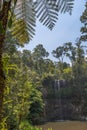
(10, 22)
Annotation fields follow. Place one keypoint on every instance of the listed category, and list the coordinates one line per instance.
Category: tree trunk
(3, 24)
(2, 81)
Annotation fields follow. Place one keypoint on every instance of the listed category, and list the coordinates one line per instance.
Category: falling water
(60, 103)
(58, 98)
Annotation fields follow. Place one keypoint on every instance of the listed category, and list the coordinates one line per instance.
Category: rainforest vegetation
(27, 78)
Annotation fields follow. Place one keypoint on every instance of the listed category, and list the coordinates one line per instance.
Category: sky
(67, 29)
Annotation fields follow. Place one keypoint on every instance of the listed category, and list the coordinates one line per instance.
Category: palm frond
(24, 11)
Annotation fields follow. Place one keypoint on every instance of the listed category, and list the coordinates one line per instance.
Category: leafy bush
(26, 126)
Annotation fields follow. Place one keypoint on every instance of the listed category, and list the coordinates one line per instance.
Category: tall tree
(27, 58)
(70, 52)
(38, 55)
(79, 59)
(3, 23)
(59, 53)
(83, 19)
(25, 17)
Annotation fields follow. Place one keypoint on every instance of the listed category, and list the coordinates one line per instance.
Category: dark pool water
(65, 125)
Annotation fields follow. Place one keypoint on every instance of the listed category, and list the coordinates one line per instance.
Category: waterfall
(59, 97)
(58, 103)
(55, 87)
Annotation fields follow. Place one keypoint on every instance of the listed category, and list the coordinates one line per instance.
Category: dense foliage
(31, 78)
(19, 17)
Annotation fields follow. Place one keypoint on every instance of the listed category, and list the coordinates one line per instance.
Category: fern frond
(24, 11)
(83, 38)
(65, 6)
(19, 31)
(47, 10)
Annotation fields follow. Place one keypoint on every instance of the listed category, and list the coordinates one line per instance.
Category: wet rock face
(67, 111)
(56, 112)
(58, 107)
(55, 107)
